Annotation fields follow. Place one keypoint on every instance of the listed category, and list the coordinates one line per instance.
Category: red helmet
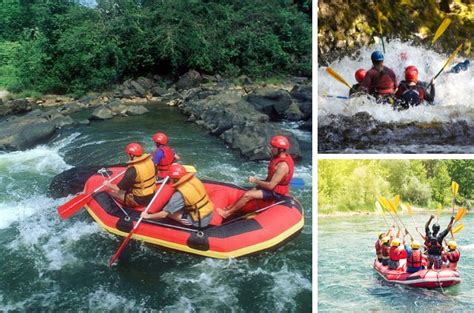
(360, 74)
(134, 149)
(160, 138)
(177, 171)
(411, 74)
(280, 142)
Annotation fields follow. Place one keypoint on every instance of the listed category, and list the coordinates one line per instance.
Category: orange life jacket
(144, 184)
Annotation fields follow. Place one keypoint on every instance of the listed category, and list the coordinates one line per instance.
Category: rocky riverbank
(241, 113)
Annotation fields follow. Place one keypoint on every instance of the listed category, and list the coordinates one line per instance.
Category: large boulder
(251, 140)
(117, 107)
(24, 132)
(272, 102)
(102, 113)
(137, 110)
(16, 106)
(189, 80)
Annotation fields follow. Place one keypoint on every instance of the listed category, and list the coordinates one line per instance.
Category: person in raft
(356, 89)
(379, 243)
(277, 183)
(411, 91)
(386, 242)
(434, 242)
(189, 204)
(163, 156)
(137, 186)
(451, 257)
(414, 256)
(397, 252)
(380, 81)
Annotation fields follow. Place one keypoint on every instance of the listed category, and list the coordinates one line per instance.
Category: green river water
(348, 283)
(47, 264)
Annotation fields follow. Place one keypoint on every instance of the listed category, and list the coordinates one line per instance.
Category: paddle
(379, 14)
(75, 204)
(442, 27)
(386, 205)
(456, 230)
(379, 209)
(460, 214)
(124, 243)
(446, 64)
(333, 96)
(338, 77)
(439, 212)
(394, 207)
(454, 191)
(190, 168)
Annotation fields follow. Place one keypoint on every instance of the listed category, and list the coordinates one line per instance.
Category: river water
(50, 264)
(453, 103)
(348, 283)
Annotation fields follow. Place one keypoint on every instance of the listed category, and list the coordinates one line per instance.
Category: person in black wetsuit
(434, 242)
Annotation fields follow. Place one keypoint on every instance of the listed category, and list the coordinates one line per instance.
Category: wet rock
(137, 110)
(272, 102)
(189, 80)
(137, 89)
(72, 107)
(251, 140)
(145, 83)
(117, 107)
(294, 113)
(24, 132)
(158, 91)
(17, 106)
(102, 113)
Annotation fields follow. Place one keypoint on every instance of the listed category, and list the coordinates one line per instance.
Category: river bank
(233, 111)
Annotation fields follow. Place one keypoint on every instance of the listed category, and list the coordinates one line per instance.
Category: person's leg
(119, 195)
(248, 196)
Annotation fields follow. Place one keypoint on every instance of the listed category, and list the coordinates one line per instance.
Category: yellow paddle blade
(378, 207)
(460, 214)
(457, 228)
(379, 15)
(331, 72)
(393, 208)
(384, 202)
(190, 168)
(454, 188)
(396, 201)
(439, 209)
(409, 209)
(449, 60)
(444, 24)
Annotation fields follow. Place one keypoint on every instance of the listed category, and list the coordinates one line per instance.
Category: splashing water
(453, 101)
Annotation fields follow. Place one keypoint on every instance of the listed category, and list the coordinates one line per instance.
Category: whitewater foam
(453, 101)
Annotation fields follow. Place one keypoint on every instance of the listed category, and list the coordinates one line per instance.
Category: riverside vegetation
(353, 185)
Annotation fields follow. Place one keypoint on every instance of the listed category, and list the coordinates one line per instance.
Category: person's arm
(158, 156)
(446, 231)
(421, 235)
(429, 96)
(427, 225)
(281, 170)
(126, 183)
(175, 203)
(394, 77)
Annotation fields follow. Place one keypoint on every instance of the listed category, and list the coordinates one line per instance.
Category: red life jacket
(283, 186)
(380, 83)
(164, 165)
(395, 254)
(453, 256)
(435, 249)
(385, 251)
(378, 249)
(415, 259)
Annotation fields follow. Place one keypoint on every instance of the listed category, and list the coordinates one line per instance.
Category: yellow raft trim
(212, 254)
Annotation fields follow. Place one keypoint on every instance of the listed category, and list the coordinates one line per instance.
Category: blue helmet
(376, 56)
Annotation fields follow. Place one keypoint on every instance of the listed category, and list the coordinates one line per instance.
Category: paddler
(277, 184)
(379, 243)
(411, 91)
(137, 186)
(163, 156)
(356, 88)
(451, 257)
(434, 242)
(414, 256)
(380, 81)
(189, 204)
(397, 252)
(462, 66)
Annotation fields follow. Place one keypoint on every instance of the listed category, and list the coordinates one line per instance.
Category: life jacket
(410, 95)
(434, 247)
(453, 256)
(396, 253)
(415, 259)
(196, 200)
(381, 82)
(385, 252)
(144, 184)
(163, 166)
(283, 186)
(378, 249)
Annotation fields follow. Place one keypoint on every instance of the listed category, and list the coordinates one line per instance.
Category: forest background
(354, 185)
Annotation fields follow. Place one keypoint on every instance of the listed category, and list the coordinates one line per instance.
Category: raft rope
(250, 213)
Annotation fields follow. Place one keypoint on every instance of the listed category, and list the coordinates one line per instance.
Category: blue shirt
(409, 254)
(159, 154)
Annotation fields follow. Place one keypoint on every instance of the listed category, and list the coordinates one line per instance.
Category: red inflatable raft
(271, 224)
(422, 279)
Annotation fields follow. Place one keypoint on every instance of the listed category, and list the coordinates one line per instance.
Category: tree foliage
(346, 185)
(67, 47)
